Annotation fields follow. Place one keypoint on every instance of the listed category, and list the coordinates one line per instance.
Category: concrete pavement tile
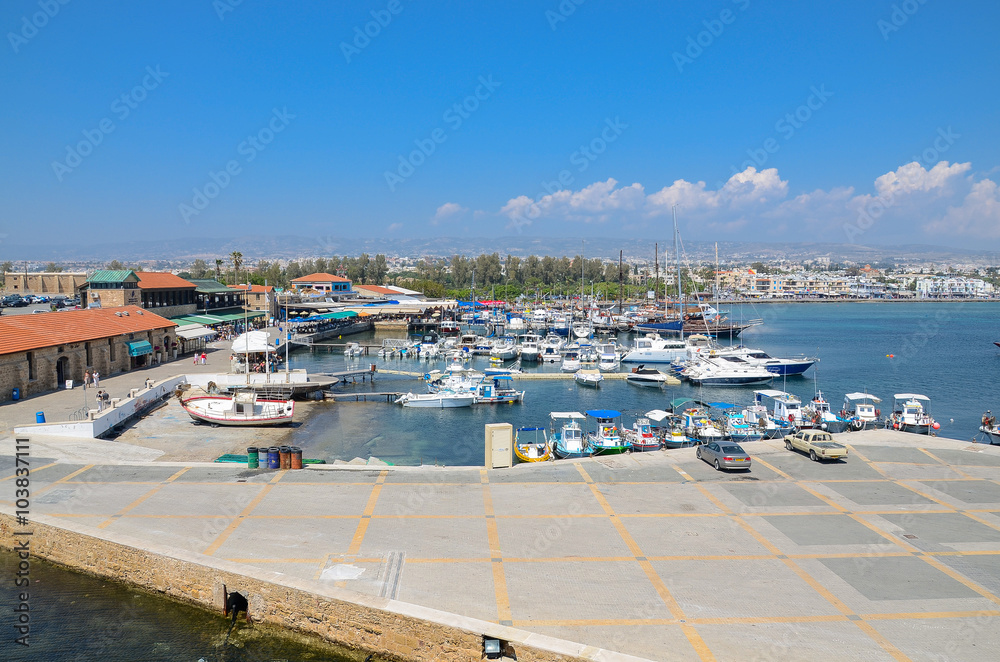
(657, 498)
(331, 476)
(192, 534)
(897, 453)
(288, 538)
(551, 537)
(197, 499)
(980, 568)
(577, 590)
(943, 528)
(92, 499)
(602, 473)
(427, 538)
(435, 476)
(791, 642)
(430, 499)
(553, 472)
(315, 500)
(773, 497)
(899, 578)
(692, 536)
(800, 467)
(529, 499)
(651, 642)
(740, 588)
(223, 473)
(879, 493)
(935, 639)
(921, 472)
(970, 456)
(114, 474)
(814, 530)
(984, 493)
(421, 583)
(40, 478)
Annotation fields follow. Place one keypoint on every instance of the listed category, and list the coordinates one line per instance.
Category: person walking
(86, 379)
(204, 358)
(100, 401)
(97, 379)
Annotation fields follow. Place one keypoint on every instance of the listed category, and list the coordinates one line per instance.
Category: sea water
(82, 618)
(942, 350)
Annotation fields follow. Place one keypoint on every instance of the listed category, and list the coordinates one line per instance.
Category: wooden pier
(363, 397)
(527, 376)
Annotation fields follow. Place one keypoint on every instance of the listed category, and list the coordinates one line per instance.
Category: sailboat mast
(620, 256)
(677, 252)
(656, 279)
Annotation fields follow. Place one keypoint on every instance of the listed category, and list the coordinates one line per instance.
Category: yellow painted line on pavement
(917, 615)
(757, 458)
(108, 522)
(359, 533)
(504, 613)
(63, 480)
(228, 531)
(32, 472)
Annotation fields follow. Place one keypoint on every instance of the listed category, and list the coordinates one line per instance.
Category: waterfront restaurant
(40, 353)
(166, 293)
(332, 286)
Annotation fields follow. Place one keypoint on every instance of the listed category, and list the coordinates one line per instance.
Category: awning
(254, 341)
(139, 348)
(195, 331)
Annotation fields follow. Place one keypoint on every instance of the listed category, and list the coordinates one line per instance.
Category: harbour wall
(389, 628)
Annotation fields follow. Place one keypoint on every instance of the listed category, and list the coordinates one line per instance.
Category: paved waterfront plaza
(890, 555)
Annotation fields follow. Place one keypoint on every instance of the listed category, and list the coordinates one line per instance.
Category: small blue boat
(567, 435)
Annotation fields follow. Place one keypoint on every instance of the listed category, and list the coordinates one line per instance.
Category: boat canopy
(862, 396)
(722, 405)
(910, 396)
(566, 414)
(657, 415)
(529, 429)
(603, 413)
(771, 393)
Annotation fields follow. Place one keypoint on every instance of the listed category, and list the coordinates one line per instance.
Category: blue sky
(861, 122)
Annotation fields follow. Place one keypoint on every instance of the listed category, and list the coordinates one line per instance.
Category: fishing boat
(606, 437)
(530, 347)
(586, 377)
(735, 425)
(817, 414)
(570, 362)
(531, 445)
(439, 400)
(497, 389)
(567, 435)
(670, 429)
(771, 428)
(786, 408)
(240, 409)
(910, 414)
(352, 349)
(607, 356)
(989, 427)
(641, 436)
(550, 348)
(861, 410)
(648, 377)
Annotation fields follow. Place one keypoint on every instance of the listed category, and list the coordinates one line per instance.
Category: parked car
(723, 455)
(14, 301)
(820, 445)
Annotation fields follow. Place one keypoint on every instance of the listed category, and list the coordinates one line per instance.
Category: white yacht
(504, 349)
(726, 371)
(651, 348)
(550, 349)
(530, 347)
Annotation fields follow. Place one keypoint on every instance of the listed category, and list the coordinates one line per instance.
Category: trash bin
(296, 457)
(39, 417)
(253, 457)
(285, 454)
(15, 394)
(273, 460)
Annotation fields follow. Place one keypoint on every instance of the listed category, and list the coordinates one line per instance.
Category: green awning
(208, 319)
(139, 348)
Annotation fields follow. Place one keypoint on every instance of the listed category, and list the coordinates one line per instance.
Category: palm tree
(218, 269)
(237, 259)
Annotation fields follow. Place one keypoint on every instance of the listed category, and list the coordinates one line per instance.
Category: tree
(115, 265)
(379, 269)
(199, 269)
(461, 271)
(236, 258)
(218, 269)
(5, 269)
(53, 268)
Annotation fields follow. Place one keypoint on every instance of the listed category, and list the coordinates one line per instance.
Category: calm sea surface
(84, 619)
(942, 350)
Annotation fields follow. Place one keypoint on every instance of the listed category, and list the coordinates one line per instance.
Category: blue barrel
(15, 394)
(273, 458)
(39, 417)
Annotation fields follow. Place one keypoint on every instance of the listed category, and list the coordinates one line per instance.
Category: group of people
(103, 399)
(91, 378)
(200, 359)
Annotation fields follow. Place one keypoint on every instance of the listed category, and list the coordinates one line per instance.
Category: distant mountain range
(293, 247)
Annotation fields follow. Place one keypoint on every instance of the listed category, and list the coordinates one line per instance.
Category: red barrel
(296, 457)
(284, 453)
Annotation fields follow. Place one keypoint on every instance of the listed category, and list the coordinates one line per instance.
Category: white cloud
(446, 211)
(943, 200)
(394, 227)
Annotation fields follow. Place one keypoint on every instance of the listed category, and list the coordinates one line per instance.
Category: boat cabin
(786, 406)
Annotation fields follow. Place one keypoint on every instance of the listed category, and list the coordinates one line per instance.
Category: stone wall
(388, 628)
(44, 283)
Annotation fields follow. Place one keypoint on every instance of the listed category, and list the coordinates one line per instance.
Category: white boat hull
(437, 400)
(218, 410)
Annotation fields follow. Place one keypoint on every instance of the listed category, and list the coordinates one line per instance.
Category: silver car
(724, 455)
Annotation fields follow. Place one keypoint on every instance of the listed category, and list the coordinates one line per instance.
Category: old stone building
(166, 294)
(46, 283)
(40, 353)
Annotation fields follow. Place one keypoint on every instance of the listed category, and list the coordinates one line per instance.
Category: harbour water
(942, 350)
(82, 618)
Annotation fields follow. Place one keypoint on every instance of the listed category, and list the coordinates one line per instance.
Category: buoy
(936, 426)
(890, 356)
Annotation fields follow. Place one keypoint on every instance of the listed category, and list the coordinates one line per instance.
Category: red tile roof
(255, 288)
(155, 280)
(23, 333)
(320, 278)
(376, 288)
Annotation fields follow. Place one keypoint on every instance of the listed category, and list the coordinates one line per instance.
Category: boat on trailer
(240, 409)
